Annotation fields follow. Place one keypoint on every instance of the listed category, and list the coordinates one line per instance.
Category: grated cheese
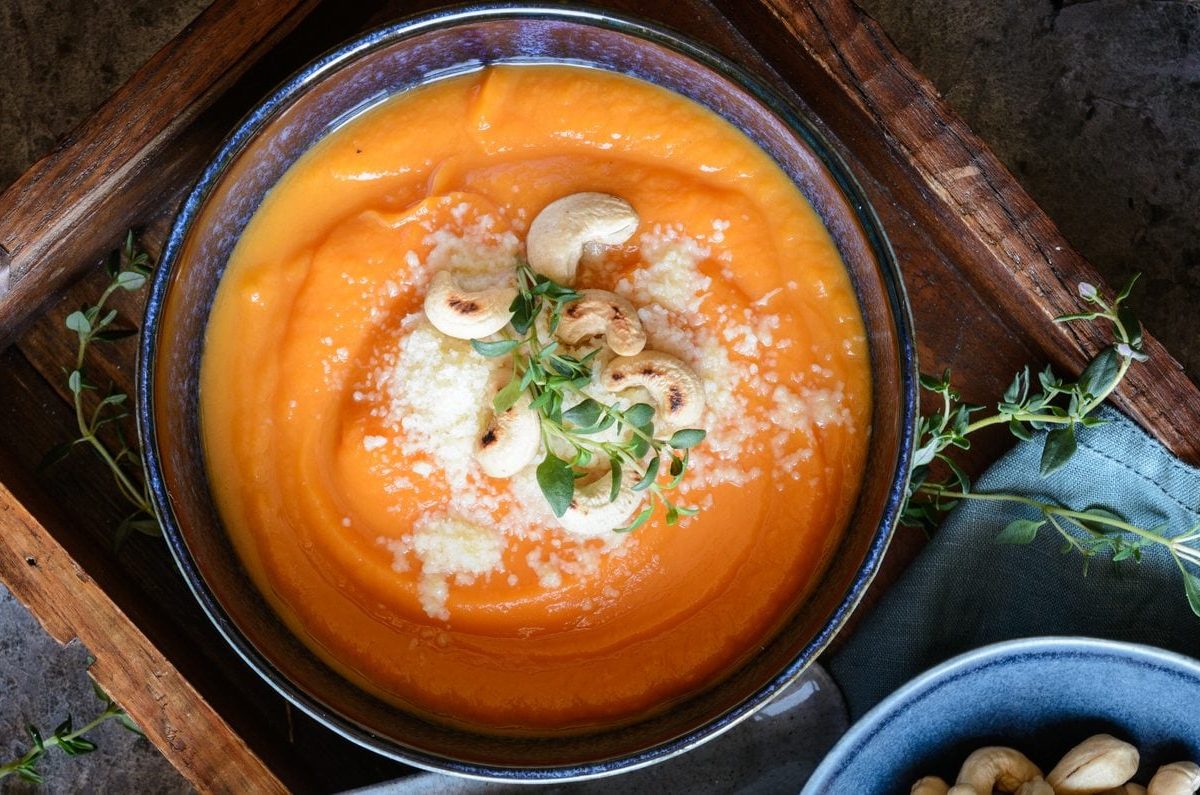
(373, 442)
(451, 548)
(671, 278)
(431, 394)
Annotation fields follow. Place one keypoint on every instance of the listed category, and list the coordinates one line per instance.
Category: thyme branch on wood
(1057, 407)
(99, 420)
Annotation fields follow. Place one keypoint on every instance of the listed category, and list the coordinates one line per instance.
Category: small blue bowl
(1039, 695)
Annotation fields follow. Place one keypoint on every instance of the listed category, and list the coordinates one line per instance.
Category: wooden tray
(986, 272)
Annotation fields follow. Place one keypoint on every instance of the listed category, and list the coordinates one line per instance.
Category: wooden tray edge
(172, 714)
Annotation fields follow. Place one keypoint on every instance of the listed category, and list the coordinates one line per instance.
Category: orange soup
(340, 426)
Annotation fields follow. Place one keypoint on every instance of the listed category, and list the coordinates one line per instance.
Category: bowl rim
(791, 115)
(985, 657)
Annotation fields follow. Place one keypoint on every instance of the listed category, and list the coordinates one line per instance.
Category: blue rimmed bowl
(1039, 695)
(341, 84)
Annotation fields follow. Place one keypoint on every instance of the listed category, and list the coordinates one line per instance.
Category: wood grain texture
(128, 666)
(88, 181)
(971, 204)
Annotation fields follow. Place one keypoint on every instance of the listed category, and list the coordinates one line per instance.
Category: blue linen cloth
(965, 591)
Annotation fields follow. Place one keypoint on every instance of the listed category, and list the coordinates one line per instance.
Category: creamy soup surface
(340, 426)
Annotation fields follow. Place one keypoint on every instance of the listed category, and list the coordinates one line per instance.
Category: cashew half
(557, 235)
(510, 441)
(1037, 786)
(592, 514)
(1177, 778)
(601, 312)
(1096, 764)
(672, 384)
(467, 315)
(930, 785)
(997, 768)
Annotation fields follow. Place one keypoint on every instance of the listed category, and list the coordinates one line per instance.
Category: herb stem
(1081, 518)
(1066, 535)
(997, 419)
(88, 430)
(128, 270)
(23, 765)
(619, 416)
(1024, 408)
(1121, 371)
(1052, 419)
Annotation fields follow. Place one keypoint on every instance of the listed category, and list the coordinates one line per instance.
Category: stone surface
(1092, 104)
(59, 59)
(41, 684)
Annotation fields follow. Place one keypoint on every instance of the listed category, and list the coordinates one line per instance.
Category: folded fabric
(965, 590)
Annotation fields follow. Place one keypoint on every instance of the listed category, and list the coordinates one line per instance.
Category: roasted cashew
(510, 441)
(930, 785)
(1096, 764)
(1037, 786)
(1177, 778)
(997, 768)
(601, 312)
(557, 235)
(592, 514)
(672, 384)
(467, 315)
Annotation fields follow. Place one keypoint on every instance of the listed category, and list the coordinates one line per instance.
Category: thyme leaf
(557, 481)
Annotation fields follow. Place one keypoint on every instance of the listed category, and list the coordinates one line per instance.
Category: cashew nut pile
(513, 439)
(1100, 765)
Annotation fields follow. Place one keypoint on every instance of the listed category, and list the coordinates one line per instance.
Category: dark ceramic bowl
(306, 107)
(1041, 696)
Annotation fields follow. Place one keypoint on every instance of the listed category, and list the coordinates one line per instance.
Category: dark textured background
(1093, 104)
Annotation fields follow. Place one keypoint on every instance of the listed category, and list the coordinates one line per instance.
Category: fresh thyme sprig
(70, 740)
(99, 423)
(553, 379)
(1057, 407)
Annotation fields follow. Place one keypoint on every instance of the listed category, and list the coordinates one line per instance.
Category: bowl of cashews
(1038, 716)
(1100, 764)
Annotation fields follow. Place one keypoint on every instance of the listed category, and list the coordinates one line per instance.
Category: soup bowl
(338, 86)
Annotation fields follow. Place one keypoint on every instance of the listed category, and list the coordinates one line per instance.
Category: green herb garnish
(1058, 407)
(553, 380)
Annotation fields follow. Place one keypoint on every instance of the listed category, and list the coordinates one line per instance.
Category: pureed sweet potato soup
(348, 435)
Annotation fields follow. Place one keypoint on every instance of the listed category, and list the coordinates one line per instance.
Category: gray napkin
(966, 591)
